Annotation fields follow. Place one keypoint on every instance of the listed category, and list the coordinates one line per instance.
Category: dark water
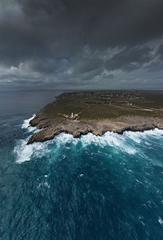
(102, 188)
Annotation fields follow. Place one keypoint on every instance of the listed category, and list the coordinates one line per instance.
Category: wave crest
(26, 124)
(128, 143)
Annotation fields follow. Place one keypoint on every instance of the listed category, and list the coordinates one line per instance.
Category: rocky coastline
(50, 125)
(98, 128)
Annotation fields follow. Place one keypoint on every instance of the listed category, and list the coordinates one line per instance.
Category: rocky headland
(97, 112)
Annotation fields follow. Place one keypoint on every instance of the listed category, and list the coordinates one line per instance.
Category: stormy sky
(81, 44)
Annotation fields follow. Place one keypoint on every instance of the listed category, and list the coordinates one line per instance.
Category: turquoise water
(108, 187)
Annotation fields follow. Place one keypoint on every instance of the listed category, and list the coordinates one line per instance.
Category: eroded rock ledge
(78, 128)
(108, 112)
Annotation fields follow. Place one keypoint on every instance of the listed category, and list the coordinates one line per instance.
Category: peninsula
(79, 113)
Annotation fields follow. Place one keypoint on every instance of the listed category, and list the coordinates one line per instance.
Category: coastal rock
(95, 118)
(98, 128)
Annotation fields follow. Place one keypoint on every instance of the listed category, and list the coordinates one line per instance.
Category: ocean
(92, 188)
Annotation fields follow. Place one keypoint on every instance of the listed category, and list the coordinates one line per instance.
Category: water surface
(108, 187)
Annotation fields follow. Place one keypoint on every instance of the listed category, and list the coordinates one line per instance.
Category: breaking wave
(26, 124)
(96, 187)
(128, 143)
(24, 152)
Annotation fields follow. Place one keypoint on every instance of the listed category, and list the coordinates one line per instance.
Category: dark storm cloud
(129, 59)
(89, 65)
(68, 40)
(160, 52)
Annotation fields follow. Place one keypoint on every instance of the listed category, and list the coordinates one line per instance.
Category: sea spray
(128, 142)
(109, 186)
(26, 124)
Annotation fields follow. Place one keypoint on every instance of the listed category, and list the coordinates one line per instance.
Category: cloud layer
(80, 44)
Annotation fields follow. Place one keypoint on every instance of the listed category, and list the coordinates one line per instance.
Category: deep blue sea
(92, 188)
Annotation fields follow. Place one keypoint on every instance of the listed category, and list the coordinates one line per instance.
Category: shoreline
(97, 113)
(98, 128)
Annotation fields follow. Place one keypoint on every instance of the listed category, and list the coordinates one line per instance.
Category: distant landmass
(97, 112)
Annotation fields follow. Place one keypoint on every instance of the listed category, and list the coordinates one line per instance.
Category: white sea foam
(154, 132)
(25, 152)
(134, 136)
(139, 137)
(43, 184)
(160, 220)
(108, 139)
(120, 142)
(65, 138)
(26, 124)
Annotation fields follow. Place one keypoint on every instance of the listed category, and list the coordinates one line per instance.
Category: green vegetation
(107, 104)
